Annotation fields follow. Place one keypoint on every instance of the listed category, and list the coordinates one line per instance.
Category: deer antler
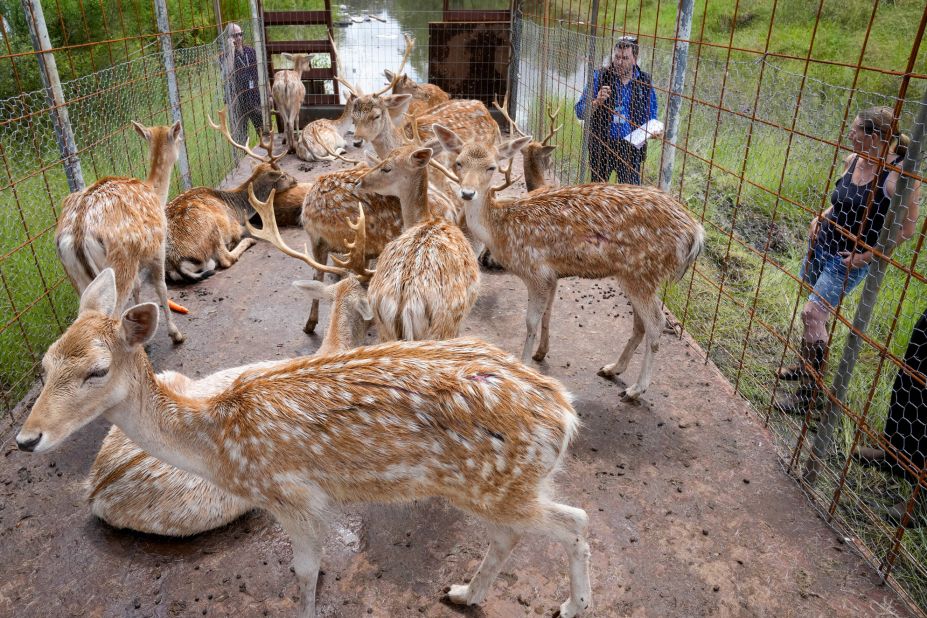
(355, 90)
(315, 134)
(508, 179)
(553, 121)
(266, 143)
(504, 109)
(271, 233)
(451, 175)
(410, 42)
(356, 260)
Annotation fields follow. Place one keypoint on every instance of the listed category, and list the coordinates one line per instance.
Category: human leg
(601, 160)
(628, 164)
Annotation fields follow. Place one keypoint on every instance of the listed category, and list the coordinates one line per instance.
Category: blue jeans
(826, 273)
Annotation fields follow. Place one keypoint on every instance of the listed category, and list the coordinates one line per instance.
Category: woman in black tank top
(840, 240)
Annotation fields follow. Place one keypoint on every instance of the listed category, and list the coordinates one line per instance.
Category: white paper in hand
(639, 135)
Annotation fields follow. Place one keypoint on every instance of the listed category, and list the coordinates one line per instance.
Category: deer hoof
(309, 328)
(457, 594)
(177, 337)
(539, 356)
(632, 393)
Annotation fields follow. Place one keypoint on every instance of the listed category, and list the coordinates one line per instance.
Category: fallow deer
(424, 95)
(202, 223)
(427, 279)
(120, 223)
(323, 135)
(637, 234)
(128, 488)
(289, 92)
(459, 419)
(536, 155)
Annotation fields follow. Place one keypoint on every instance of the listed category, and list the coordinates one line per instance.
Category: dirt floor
(690, 513)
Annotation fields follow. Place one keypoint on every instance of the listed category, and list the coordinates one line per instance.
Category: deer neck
(476, 212)
(237, 200)
(159, 172)
(387, 141)
(413, 199)
(534, 174)
(173, 428)
(343, 333)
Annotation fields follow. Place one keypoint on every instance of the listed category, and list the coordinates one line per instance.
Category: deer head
(475, 164)
(90, 369)
(391, 175)
(373, 113)
(267, 141)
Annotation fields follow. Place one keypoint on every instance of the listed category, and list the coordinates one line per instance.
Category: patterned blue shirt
(620, 127)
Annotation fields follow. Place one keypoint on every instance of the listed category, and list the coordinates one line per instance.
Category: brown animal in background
(289, 92)
(120, 223)
(427, 279)
(203, 223)
(323, 135)
(536, 156)
(128, 488)
(639, 235)
(424, 95)
(459, 419)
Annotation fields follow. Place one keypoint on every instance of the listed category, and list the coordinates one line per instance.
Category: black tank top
(849, 208)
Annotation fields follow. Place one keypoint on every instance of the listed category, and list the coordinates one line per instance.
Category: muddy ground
(690, 513)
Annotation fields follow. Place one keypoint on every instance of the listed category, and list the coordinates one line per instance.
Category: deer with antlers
(203, 223)
(427, 279)
(639, 235)
(377, 121)
(536, 156)
(119, 223)
(424, 95)
(323, 135)
(128, 488)
(289, 92)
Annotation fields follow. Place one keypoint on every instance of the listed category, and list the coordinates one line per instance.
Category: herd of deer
(421, 414)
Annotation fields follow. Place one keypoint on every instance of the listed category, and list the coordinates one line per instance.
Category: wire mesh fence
(768, 139)
(37, 302)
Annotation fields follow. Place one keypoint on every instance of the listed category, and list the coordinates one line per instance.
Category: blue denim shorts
(825, 272)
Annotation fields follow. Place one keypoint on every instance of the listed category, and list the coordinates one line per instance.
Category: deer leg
(568, 525)
(545, 324)
(156, 278)
(227, 258)
(320, 253)
(307, 558)
(502, 541)
(621, 364)
(537, 298)
(653, 320)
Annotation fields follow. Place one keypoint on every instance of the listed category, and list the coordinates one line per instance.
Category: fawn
(458, 419)
(120, 223)
(637, 234)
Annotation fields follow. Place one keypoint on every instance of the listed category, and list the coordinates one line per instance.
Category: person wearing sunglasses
(840, 243)
(624, 100)
(243, 94)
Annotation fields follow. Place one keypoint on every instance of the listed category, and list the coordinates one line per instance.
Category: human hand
(813, 231)
(853, 260)
(604, 93)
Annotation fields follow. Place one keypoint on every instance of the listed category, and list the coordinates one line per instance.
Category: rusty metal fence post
(260, 50)
(897, 212)
(48, 69)
(678, 83)
(590, 74)
(173, 92)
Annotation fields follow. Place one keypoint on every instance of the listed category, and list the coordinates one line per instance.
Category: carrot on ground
(177, 308)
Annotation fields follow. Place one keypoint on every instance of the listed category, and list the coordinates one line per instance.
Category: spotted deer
(637, 234)
(427, 279)
(289, 92)
(120, 223)
(536, 156)
(203, 223)
(323, 135)
(424, 95)
(376, 119)
(460, 420)
(128, 488)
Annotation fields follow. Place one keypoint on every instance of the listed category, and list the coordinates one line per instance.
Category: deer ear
(175, 131)
(363, 309)
(315, 289)
(546, 151)
(510, 148)
(144, 131)
(287, 56)
(450, 141)
(139, 324)
(396, 100)
(421, 157)
(389, 74)
(100, 295)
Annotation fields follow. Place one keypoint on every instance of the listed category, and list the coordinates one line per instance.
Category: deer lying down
(456, 419)
(641, 236)
(204, 223)
(128, 488)
(323, 135)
